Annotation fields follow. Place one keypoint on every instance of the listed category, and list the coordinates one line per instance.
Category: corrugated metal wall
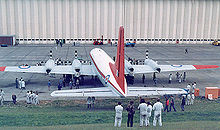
(152, 21)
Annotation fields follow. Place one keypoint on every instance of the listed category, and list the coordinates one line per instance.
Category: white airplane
(110, 73)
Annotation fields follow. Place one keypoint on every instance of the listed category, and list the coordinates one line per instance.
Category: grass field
(73, 114)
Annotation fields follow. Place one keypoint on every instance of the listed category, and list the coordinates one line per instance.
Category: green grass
(73, 114)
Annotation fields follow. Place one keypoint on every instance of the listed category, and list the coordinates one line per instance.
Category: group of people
(32, 97)
(20, 83)
(90, 102)
(190, 95)
(145, 113)
(179, 77)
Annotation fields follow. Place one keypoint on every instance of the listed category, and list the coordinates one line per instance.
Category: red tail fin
(119, 63)
(118, 67)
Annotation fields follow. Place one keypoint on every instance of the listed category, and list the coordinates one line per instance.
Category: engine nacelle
(77, 67)
(49, 65)
(152, 64)
(129, 68)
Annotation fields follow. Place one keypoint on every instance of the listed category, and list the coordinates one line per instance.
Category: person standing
(36, 99)
(180, 78)
(188, 99)
(183, 102)
(184, 76)
(2, 93)
(149, 109)
(1, 100)
(16, 82)
(19, 82)
(14, 98)
(167, 104)
(131, 111)
(157, 107)
(28, 97)
(22, 84)
(71, 84)
(193, 87)
(143, 78)
(188, 87)
(172, 103)
(143, 112)
(93, 102)
(177, 75)
(118, 114)
(186, 51)
(170, 78)
(49, 84)
(192, 98)
(89, 101)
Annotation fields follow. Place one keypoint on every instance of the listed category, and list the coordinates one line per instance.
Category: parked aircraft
(110, 73)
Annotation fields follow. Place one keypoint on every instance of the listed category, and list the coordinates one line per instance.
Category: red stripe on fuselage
(205, 66)
(103, 74)
(2, 68)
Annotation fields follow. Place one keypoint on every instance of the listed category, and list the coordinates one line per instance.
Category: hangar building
(147, 21)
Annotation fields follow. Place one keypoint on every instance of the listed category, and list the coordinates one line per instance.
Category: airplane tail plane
(119, 63)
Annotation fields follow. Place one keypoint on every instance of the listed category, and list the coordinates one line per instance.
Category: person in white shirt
(193, 87)
(22, 84)
(28, 97)
(188, 99)
(157, 107)
(143, 112)
(149, 109)
(192, 98)
(118, 114)
(36, 99)
(188, 87)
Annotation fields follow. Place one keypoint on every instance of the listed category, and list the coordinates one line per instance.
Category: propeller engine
(129, 68)
(49, 65)
(76, 65)
(151, 63)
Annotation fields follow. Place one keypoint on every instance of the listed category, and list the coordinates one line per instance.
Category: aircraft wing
(143, 69)
(167, 68)
(152, 91)
(97, 92)
(85, 70)
(64, 69)
(28, 69)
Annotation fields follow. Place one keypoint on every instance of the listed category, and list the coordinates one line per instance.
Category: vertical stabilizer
(119, 63)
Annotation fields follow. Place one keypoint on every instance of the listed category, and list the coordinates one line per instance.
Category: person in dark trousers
(170, 78)
(16, 82)
(186, 51)
(172, 103)
(131, 111)
(64, 83)
(14, 98)
(143, 78)
(49, 84)
(89, 102)
(59, 86)
(183, 102)
(167, 104)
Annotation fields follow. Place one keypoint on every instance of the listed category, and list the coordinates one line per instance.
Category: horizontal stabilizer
(87, 92)
(154, 91)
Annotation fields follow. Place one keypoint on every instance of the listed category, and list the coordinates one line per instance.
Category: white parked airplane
(111, 74)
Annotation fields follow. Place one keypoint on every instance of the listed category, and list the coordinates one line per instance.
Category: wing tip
(2, 68)
(205, 66)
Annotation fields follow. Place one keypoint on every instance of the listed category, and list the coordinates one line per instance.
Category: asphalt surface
(198, 54)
